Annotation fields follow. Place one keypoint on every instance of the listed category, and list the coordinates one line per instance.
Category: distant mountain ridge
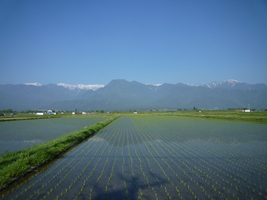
(231, 84)
(124, 95)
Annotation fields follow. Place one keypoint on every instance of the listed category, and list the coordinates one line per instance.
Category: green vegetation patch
(17, 164)
(228, 115)
(256, 117)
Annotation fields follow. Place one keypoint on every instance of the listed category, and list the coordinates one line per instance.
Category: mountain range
(122, 95)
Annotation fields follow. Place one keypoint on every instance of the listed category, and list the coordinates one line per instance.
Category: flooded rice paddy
(17, 135)
(158, 158)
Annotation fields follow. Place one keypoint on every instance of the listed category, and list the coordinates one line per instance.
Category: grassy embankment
(17, 164)
(26, 117)
(255, 117)
(229, 115)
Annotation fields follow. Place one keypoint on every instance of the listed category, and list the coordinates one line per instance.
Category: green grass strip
(17, 164)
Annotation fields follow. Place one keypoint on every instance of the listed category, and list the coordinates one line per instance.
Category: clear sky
(149, 41)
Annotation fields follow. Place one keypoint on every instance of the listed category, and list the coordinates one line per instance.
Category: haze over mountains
(124, 95)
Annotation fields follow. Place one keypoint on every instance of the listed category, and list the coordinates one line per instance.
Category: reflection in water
(32, 141)
(186, 129)
(96, 139)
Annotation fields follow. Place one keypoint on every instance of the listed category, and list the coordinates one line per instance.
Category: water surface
(17, 135)
(159, 158)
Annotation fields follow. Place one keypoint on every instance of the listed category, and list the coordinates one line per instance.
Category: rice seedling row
(84, 185)
(214, 174)
(156, 158)
(160, 171)
(166, 171)
(97, 182)
(62, 167)
(154, 182)
(44, 179)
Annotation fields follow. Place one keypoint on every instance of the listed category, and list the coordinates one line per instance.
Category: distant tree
(31, 111)
(194, 108)
(7, 111)
(102, 111)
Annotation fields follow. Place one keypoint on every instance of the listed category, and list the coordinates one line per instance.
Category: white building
(51, 112)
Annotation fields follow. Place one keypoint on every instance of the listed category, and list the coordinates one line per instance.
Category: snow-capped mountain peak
(196, 85)
(81, 86)
(34, 84)
(158, 84)
(229, 83)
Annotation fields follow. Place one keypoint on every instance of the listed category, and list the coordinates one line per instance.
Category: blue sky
(94, 42)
